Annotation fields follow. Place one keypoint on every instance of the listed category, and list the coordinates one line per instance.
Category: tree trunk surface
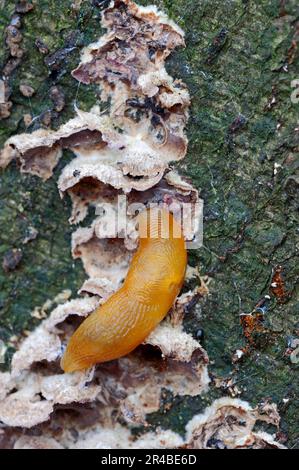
(239, 64)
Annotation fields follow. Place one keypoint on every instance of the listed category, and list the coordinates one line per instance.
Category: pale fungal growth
(6, 384)
(115, 437)
(44, 342)
(148, 107)
(128, 63)
(132, 382)
(32, 442)
(175, 343)
(106, 261)
(229, 423)
(125, 150)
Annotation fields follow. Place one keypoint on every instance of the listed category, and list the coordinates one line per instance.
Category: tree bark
(239, 64)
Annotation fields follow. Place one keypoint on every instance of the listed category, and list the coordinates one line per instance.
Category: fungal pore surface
(124, 148)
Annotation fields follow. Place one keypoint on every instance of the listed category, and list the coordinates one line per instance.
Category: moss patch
(238, 65)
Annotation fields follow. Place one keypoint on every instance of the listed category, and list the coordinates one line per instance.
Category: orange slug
(154, 280)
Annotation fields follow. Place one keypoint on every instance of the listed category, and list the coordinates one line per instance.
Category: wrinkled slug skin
(153, 282)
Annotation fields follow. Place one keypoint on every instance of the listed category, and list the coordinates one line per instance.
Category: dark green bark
(239, 63)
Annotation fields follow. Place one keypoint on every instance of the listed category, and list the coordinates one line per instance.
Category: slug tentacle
(153, 282)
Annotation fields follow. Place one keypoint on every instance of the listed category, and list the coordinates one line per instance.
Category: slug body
(153, 282)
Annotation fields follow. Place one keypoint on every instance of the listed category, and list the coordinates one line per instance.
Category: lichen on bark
(239, 63)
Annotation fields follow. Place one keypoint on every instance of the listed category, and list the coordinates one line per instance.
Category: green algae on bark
(238, 66)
